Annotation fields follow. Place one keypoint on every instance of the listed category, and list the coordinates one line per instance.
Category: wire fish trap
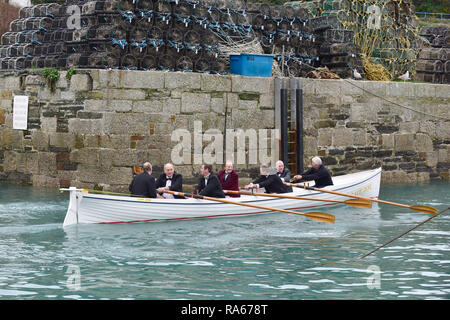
(128, 19)
(183, 9)
(26, 12)
(148, 62)
(138, 48)
(436, 78)
(325, 22)
(145, 19)
(129, 62)
(39, 23)
(336, 35)
(17, 25)
(184, 63)
(9, 38)
(102, 60)
(56, 48)
(210, 51)
(144, 5)
(431, 66)
(163, 6)
(166, 62)
(16, 63)
(33, 36)
(202, 65)
(434, 54)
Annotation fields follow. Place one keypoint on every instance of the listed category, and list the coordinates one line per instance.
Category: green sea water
(269, 256)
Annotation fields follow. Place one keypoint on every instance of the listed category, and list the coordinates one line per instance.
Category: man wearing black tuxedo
(170, 180)
(209, 185)
(284, 173)
(269, 181)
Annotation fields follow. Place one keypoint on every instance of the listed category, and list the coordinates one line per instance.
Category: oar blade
(359, 203)
(320, 216)
(424, 209)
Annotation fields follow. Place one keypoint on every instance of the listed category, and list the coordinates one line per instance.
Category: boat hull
(104, 209)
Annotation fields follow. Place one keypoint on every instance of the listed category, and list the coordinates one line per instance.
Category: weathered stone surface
(177, 80)
(213, 83)
(93, 128)
(123, 123)
(342, 137)
(81, 82)
(251, 84)
(195, 102)
(404, 142)
(134, 79)
(85, 126)
(423, 143)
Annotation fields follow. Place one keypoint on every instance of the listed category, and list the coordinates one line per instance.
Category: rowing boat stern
(72, 211)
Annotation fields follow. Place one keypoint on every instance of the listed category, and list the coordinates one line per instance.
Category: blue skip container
(253, 65)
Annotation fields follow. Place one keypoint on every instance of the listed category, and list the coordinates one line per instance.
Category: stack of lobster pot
(339, 53)
(433, 63)
(285, 32)
(36, 39)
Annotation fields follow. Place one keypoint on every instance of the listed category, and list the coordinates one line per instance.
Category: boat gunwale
(153, 201)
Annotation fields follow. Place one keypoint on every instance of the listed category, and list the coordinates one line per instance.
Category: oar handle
(319, 216)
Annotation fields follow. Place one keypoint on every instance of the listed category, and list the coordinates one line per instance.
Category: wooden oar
(318, 216)
(358, 203)
(424, 209)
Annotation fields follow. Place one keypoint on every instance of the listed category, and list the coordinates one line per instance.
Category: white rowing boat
(85, 207)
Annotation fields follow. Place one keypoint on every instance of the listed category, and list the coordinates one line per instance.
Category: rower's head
(279, 165)
(228, 166)
(169, 170)
(264, 169)
(316, 162)
(206, 169)
(147, 166)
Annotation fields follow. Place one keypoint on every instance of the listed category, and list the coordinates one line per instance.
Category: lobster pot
(102, 60)
(149, 62)
(184, 63)
(336, 36)
(144, 5)
(429, 77)
(429, 66)
(336, 5)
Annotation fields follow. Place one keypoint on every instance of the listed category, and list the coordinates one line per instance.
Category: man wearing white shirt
(170, 180)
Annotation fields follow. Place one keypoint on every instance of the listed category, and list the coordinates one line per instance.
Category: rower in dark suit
(284, 173)
(170, 180)
(270, 182)
(318, 173)
(144, 184)
(209, 185)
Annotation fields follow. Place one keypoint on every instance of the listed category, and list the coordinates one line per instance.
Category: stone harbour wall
(88, 131)
(357, 125)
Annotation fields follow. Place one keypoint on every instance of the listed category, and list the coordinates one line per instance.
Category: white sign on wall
(20, 112)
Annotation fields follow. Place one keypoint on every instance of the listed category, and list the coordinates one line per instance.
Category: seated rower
(284, 173)
(170, 180)
(270, 182)
(209, 185)
(229, 179)
(144, 184)
(318, 173)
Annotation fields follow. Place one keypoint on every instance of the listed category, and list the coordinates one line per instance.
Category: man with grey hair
(283, 172)
(318, 173)
(169, 180)
(144, 184)
(269, 181)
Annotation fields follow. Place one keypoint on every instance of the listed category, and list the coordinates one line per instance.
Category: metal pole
(284, 126)
(299, 132)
